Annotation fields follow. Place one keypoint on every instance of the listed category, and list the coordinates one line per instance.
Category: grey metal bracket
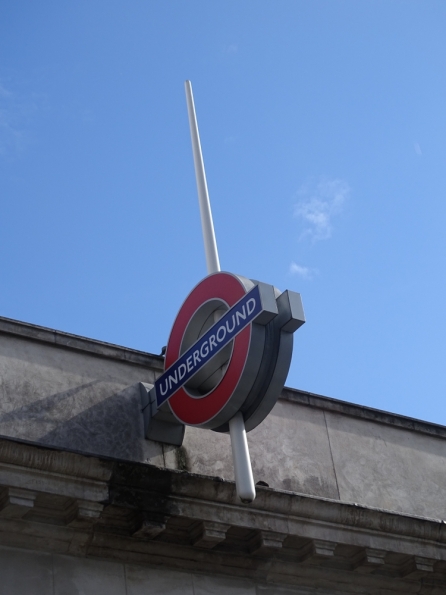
(159, 423)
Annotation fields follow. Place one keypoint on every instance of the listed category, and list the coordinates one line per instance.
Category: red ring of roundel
(192, 411)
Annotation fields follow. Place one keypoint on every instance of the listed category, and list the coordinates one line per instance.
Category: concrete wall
(318, 451)
(79, 394)
(25, 572)
(73, 399)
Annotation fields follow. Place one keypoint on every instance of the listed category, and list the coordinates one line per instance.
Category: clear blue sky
(323, 129)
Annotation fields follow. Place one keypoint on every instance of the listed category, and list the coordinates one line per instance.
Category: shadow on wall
(85, 418)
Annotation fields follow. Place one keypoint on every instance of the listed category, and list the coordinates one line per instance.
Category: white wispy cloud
(301, 271)
(4, 92)
(231, 49)
(19, 107)
(318, 205)
(417, 148)
(12, 135)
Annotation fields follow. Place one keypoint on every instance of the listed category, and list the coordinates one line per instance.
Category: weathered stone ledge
(97, 507)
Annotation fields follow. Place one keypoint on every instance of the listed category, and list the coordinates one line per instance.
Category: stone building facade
(350, 501)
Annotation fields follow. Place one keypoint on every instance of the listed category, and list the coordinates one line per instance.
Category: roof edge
(9, 326)
(362, 411)
(34, 332)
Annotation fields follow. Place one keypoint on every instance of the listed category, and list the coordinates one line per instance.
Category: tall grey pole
(207, 224)
(244, 480)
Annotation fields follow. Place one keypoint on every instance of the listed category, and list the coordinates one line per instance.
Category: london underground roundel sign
(229, 350)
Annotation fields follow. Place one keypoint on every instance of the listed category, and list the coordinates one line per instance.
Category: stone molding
(88, 506)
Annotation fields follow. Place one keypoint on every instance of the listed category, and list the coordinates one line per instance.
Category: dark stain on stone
(182, 459)
(142, 487)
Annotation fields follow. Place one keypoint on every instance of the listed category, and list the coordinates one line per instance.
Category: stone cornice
(94, 506)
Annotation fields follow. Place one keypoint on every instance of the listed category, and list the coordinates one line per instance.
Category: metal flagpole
(207, 224)
(244, 480)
